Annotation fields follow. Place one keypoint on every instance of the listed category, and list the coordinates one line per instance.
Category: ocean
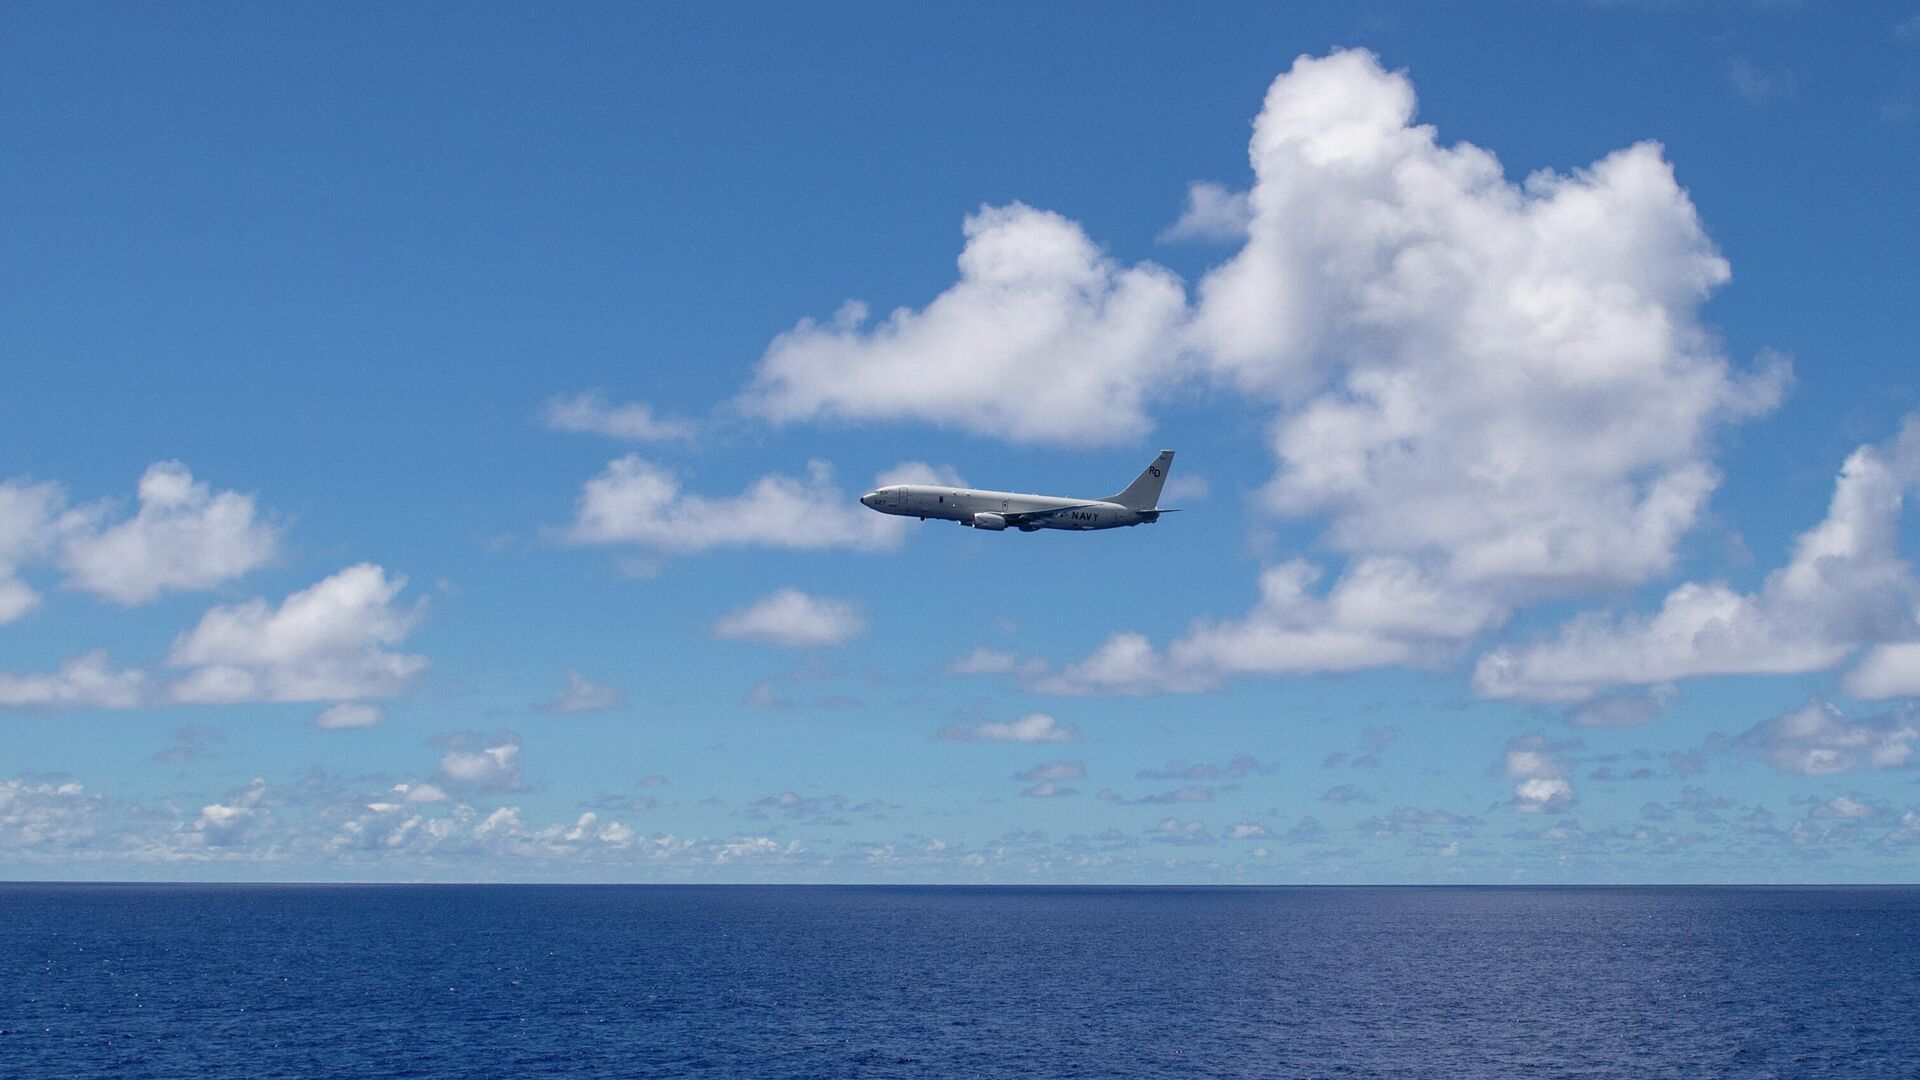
(828, 982)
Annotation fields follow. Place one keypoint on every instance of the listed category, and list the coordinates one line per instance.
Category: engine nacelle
(990, 522)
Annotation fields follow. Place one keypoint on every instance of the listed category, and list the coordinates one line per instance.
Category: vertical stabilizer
(1144, 492)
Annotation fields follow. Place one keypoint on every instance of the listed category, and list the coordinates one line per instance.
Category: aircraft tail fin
(1144, 492)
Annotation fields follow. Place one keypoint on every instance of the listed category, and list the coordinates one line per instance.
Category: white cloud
(403, 827)
(348, 714)
(1510, 381)
(1884, 671)
(590, 412)
(794, 619)
(418, 792)
(32, 516)
(581, 694)
(1844, 586)
(1042, 339)
(84, 681)
(1383, 611)
(1490, 392)
(1177, 831)
(1819, 740)
(1846, 806)
(231, 823)
(1542, 786)
(993, 662)
(46, 814)
(1126, 664)
(1212, 213)
(335, 640)
(1033, 727)
(491, 767)
(640, 503)
(184, 537)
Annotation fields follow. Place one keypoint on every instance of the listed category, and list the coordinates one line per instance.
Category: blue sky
(429, 442)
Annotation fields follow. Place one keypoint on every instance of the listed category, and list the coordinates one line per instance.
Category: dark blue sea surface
(522, 981)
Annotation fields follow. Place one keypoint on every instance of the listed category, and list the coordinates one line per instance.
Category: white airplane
(997, 510)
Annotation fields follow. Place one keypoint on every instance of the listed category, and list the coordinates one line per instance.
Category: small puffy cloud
(335, 640)
(491, 764)
(1042, 339)
(348, 714)
(184, 537)
(990, 661)
(1381, 612)
(590, 412)
(1031, 728)
(1541, 783)
(230, 823)
(418, 792)
(816, 809)
(1248, 830)
(1846, 806)
(1819, 740)
(581, 694)
(794, 619)
(1180, 832)
(86, 681)
(1845, 585)
(1212, 213)
(1125, 664)
(636, 502)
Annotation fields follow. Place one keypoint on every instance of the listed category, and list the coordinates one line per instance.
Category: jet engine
(990, 522)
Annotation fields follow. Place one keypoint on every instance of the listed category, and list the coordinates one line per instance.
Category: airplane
(999, 510)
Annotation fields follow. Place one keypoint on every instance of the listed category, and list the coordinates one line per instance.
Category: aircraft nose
(867, 499)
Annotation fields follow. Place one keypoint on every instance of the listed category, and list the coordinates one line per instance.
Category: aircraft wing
(1035, 515)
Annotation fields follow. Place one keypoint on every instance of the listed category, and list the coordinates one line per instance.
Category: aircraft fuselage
(1003, 509)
